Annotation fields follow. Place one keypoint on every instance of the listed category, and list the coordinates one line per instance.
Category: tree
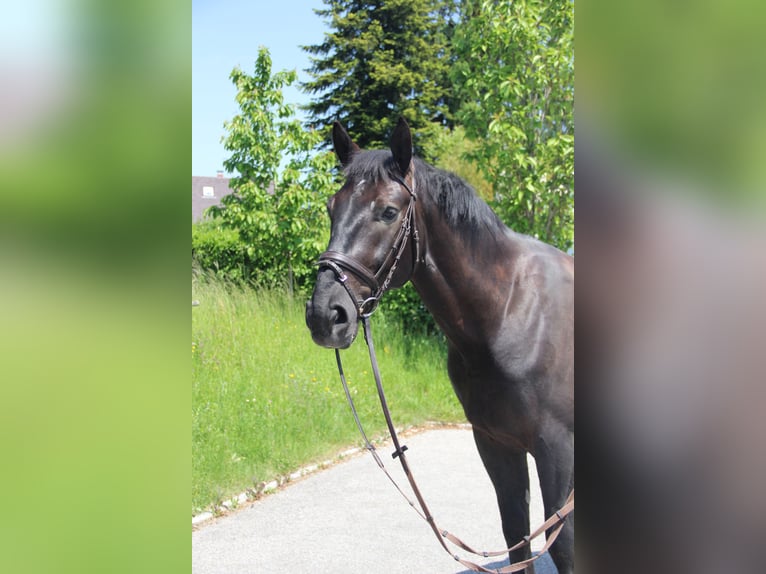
(451, 150)
(382, 60)
(282, 184)
(514, 72)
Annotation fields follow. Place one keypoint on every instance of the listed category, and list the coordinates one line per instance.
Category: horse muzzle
(331, 315)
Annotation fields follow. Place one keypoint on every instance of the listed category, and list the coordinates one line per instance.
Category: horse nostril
(341, 316)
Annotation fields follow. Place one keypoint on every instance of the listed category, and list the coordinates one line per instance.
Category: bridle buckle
(373, 302)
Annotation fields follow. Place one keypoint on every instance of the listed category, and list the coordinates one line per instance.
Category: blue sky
(228, 33)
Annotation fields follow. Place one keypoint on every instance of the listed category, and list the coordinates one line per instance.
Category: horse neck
(461, 281)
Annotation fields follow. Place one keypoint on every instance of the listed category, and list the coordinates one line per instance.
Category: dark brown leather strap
(555, 522)
(352, 265)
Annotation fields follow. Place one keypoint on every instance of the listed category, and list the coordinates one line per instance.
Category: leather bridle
(377, 281)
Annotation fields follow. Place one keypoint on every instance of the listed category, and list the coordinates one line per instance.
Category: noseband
(379, 280)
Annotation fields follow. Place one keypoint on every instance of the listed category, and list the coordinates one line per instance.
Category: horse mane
(464, 211)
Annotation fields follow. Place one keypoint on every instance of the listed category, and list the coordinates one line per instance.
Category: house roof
(207, 191)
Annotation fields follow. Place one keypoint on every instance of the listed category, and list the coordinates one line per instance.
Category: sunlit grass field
(266, 400)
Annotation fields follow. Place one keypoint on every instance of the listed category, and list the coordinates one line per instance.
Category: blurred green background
(678, 89)
(94, 383)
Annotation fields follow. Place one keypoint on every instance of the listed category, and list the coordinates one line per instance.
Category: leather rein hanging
(338, 262)
(554, 522)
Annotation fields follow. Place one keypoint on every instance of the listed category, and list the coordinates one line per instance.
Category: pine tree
(382, 59)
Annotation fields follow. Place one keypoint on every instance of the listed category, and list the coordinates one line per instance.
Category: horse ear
(344, 147)
(401, 146)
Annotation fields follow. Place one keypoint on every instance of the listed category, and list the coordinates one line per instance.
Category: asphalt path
(350, 519)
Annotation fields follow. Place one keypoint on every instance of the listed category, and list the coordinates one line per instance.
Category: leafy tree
(451, 150)
(219, 251)
(278, 204)
(514, 71)
(382, 60)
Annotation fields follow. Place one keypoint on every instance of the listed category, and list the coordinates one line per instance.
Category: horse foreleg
(507, 468)
(554, 457)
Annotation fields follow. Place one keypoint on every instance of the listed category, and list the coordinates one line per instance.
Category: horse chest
(492, 400)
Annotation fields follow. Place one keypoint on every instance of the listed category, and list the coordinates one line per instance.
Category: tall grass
(266, 400)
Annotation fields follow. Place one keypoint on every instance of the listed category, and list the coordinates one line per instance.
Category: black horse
(503, 300)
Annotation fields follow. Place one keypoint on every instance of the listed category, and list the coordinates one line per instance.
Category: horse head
(372, 224)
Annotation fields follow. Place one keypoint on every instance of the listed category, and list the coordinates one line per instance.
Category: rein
(556, 521)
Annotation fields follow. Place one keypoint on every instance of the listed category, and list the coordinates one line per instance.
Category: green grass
(266, 400)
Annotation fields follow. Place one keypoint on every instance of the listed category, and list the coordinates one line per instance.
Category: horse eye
(389, 214)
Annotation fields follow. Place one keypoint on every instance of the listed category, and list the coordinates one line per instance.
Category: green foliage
(452, 150)
(404, 307)
(278, 204)
(220, 251)
(382, 60)
(515, 75)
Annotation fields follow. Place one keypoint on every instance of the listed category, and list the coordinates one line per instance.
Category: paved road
(350, 519)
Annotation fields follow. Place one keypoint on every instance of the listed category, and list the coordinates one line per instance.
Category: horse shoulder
(535, 339)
